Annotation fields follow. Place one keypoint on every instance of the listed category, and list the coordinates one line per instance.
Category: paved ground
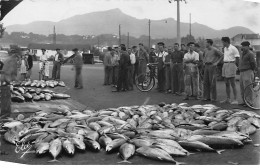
(97, 96)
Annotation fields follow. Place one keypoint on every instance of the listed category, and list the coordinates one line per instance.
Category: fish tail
(124, 161)
(180, 163)
(54, 160)
(189, 153)
(220, 151)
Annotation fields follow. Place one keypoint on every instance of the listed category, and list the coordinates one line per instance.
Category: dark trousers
(161, 79)
(130, 76)
(56, 70)
(135, 73)
(177, 78)
(209, 84)
(115, 75)
(168, 77)
(78, 77)
(122, 79)
(108, 75)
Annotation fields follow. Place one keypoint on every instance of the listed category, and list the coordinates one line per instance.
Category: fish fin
(125, 161)
(180, 163)
(54, 160)
(190, 153)
(160, 158)
(220, 151)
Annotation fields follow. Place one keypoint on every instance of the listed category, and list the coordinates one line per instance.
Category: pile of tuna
(25, 91)
(39, 83)
(160, 132)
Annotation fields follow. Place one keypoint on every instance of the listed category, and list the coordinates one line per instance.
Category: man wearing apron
(231, 59)
(191, 80)
(44, 65)
(161, 67)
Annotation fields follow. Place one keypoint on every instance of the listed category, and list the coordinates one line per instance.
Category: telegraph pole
(127, 39)
(119, 35)
(190, 24)
(178, 23)
(54, 35)
(149, 42)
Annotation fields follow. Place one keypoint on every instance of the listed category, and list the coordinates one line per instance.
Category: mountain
(107, 22)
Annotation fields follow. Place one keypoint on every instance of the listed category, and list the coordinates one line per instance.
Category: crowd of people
(185, 70)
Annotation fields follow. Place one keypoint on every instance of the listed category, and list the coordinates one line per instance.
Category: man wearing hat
(58, 60)
(231, 59)
(247, 66)
(44, 65)
(143, 60)
(108, 67)
(161, 67)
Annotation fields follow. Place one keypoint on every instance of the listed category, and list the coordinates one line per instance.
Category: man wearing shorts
(231, 59)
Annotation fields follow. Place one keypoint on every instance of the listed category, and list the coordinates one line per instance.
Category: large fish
(218, 141)
(94, 126)
(11, 137)
(55, 148)
(68, 146)
(92, 144)
(197, 145)
(170, 149)
(236, 135)
(12, 124)
(205, 132)
(156, 153)
(41, 148)
(78, 143)
(115, 144)
(104, 140)
(60, 96)
(140, 142)
(92, 135)
(126, 151)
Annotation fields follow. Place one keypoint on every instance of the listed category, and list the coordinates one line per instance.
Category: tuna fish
(55, 148)
(126, 151)
(104, 140)
(115, 144)
(42, 148)
(68, 146)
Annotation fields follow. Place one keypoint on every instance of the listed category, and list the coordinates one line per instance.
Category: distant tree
(187, 39)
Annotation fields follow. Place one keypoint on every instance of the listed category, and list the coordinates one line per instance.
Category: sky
(217, 14)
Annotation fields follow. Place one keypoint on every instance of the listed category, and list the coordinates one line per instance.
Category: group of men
(190, 72)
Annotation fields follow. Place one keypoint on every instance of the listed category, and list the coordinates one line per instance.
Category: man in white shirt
(44, 65)
(231, 58)
(191, 72)
(131, 67)
(161, 67)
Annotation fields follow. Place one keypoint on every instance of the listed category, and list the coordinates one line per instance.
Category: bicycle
(146, 81)
(251, 95)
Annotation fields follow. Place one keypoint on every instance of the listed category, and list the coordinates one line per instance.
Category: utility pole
(149, 42)
(119, 35)
(178, 20)
(54, 35)
(128, 40)
(190, 24)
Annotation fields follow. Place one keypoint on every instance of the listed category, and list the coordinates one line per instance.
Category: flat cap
(160, 43)
(245, 43)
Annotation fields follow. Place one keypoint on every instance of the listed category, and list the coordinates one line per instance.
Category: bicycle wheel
(144, 82)
(252, 95)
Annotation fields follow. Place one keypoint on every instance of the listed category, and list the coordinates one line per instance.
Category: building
(253, 39)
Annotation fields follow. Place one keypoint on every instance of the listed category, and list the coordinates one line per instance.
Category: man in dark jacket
(30, 64)
(1, 65)
(123, 67)
(58, 59)
(78, 63)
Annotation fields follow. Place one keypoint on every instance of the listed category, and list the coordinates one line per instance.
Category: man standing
(30, 63)
(44, 65)
(108, 67)
(231, 58)
(123, 64)
(131, 68)
(212, 57)
(200, 67)
(183, 49)
(58, 59)
(78, 63)
(247, 66)
(191, 60)
(168, 74)
(152, 56)
(177, 70)
(161, 67)
(115, 64)
(143, 60)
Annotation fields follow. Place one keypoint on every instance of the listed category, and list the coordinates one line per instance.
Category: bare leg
(227, 81)
(233, 85)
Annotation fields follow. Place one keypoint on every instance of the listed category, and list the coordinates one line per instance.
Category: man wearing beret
(58, 60)
(231, 59)
(161, 66)
(247, 66)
